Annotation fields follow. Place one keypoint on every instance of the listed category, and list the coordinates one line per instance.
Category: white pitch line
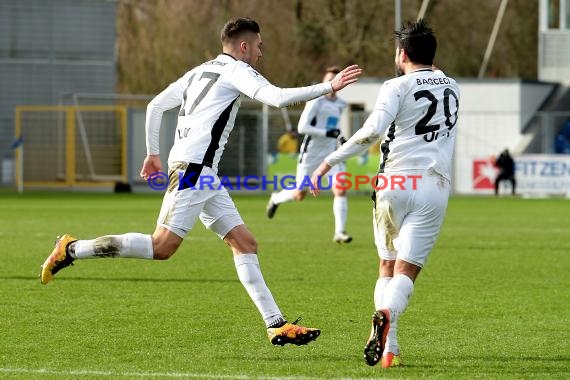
(81, 372)
(177, 375)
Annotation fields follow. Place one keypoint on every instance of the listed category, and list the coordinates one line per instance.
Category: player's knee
(245, 245)
(386, 268)
(408, 269)
(163, 250)
(240, 240)
(249, 245)
(299, 195)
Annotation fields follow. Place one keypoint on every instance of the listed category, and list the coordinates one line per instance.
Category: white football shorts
(214, 207)
(407, 221)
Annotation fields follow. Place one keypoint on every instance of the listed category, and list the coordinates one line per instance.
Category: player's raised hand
(316, 177)
(151, 164)
(347, 76)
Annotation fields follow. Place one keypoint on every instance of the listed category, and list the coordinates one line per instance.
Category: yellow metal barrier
(68, 146)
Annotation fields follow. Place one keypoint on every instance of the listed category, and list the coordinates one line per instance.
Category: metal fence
(51, 47)
(98, 152)
(66, 146)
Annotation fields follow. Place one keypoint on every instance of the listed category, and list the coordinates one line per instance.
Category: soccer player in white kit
(416, 116)
(209, 97)
(319, 122)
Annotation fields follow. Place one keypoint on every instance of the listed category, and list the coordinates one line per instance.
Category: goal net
(71, 145)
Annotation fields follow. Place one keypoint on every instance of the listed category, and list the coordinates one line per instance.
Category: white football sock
(283, 196)
(132, 244)
(340, 210)
(380, 290)
(249, 273)
(392, 338)
(397, 295)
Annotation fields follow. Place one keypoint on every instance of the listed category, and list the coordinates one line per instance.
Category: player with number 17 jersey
(209, 97)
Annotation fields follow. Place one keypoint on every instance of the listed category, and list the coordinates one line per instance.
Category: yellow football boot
(292, 333)
(58, 259)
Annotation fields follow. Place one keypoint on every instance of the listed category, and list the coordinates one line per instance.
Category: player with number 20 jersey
(423, 106)
(415, 116)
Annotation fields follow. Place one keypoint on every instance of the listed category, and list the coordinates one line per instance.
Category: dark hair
(332, 69)
(235, 28)
(418, 41)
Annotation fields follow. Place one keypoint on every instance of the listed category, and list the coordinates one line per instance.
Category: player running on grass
(209, 96)
(415, 115)
(319, 123)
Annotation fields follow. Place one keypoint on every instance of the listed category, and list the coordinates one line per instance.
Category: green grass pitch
(492, 302)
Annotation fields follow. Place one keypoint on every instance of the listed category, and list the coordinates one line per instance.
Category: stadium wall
(49, 49)
(493, 115)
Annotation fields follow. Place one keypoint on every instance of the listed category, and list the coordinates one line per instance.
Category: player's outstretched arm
(347, 76)
(323, 169)
(282, 97)
(151, 164)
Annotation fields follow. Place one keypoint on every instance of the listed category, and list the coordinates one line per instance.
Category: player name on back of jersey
(432, 80)
(214, 62)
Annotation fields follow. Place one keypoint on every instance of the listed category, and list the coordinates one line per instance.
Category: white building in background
(554, 41)
(494, 114)
(519, 115)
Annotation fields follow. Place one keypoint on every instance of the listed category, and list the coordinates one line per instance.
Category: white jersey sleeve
(247, 80)
(310, 113)
(254, 85)
(169, 98)
(282, 97)
(415, 115)
(388, 101)
(374, 128)
(363, 139)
